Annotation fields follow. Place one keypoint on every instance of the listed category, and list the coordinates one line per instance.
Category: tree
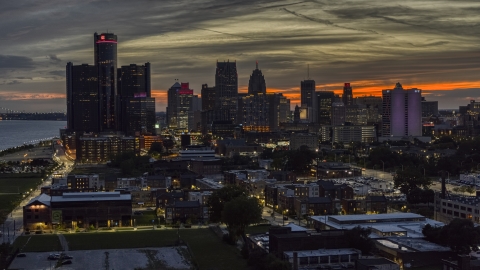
(168, 144)
(156, 147)
(358, 238)
(239, 213)
(460, 235)
(410, 179)
(217, 200)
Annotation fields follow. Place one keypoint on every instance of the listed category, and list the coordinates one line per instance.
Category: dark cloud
(54, 58)
(371, 42)
(13, 62)
(60, 73)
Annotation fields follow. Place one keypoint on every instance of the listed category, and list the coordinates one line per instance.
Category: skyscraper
(347, 96)
(226, 90)
(307, 95)
(338, 113)
(324, 101)
(82, 98)
(172, 96)
(105, 54)
(256, 84)
(180, 106)
(208, 97)
(402, 112)
(135, 106)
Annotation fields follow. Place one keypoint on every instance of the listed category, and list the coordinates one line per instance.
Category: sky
(430, 45)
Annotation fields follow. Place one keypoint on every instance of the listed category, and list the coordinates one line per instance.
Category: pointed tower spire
(256, 64)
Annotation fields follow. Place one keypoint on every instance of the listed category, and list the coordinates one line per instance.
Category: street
(14, 222)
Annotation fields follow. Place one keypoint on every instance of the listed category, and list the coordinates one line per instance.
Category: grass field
(257, 229)
(209, 251)
(146, 218)
(12, 185)
(38, 243)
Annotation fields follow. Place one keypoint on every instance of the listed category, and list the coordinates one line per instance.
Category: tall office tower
(172, 95)
(208, 97)
(279, 110)
(82, 98)
(139, 116)
(105, 52)
(347, 96)
(253, 112)
(180, 105)
(307, 95)
(226, 90)
(134, 80)
(324, 101)
(135, 106)
(195, 114)
(373, 108)
(338, 113)
(402, 112)
(184, 106)
(256, 84)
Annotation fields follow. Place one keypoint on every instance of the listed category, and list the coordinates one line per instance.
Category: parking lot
(116, 258)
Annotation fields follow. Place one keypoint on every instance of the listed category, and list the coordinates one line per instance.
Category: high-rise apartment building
(105, 53)
(226, 90)
(402, 112)
(347, 96)
(82, 98)
(256, 84)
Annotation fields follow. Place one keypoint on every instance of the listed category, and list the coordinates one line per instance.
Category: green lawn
(146, 218)
(38, 243)
(15, 184)
(257, 229)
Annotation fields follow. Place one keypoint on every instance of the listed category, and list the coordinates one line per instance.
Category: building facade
(402, 112)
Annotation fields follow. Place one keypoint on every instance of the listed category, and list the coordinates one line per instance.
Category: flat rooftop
(91, 196)
(411, 244)
(322, 252)
(381, 225)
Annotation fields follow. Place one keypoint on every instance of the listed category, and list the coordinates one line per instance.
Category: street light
(283, 212)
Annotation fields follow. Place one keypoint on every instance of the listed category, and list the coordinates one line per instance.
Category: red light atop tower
(102, 37)
(347, 84)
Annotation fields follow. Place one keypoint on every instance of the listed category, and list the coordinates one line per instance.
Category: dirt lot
(154, 258)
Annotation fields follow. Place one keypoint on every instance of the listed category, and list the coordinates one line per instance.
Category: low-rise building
(412, 252)
(298, 140)
(97, 209)
(455, 206)
(185, 212)
(37, 213)
(376, 263)
(322, 257)
(381, 225)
